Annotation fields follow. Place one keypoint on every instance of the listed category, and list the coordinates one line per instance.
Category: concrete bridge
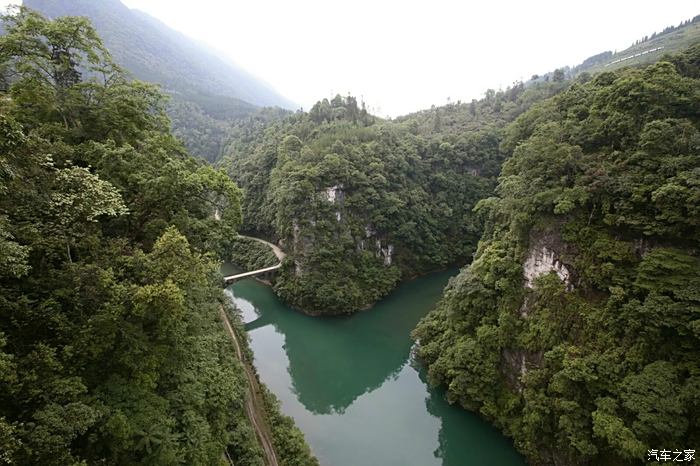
(255, 273)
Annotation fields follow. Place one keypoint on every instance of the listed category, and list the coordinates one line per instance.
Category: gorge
(352, 386)
(570, 202)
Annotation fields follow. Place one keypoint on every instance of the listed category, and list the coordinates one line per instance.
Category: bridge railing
(278, 252)
(240, 276)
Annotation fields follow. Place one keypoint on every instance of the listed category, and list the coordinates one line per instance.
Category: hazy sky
(402, 56)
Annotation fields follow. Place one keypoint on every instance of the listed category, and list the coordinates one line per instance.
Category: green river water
(353, 388)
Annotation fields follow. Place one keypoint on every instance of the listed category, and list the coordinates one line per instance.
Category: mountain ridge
(250, 89)
(208, 90)
(648, 49)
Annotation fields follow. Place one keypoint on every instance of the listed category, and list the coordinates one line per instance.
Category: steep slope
(360, 203)
(207, 89)
(647, 50)
(575, 329)
(111, 350)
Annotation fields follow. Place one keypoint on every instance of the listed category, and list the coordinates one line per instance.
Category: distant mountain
(208, 90)
(649, 49)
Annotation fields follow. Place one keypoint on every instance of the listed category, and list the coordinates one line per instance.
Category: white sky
(403, 56)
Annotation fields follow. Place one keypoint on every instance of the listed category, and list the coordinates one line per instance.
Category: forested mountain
(111, 347)
(360, 203)
(208, 91)
(646, 50)
(576, 328)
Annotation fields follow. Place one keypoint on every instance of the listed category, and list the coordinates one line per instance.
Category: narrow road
(253, 404)
(278, 252)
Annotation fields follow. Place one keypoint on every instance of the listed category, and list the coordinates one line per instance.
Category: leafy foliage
(359, 202)
(601, 369)
(111, 350)
(250, 254)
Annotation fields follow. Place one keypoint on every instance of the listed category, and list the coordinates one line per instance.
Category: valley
(503, 281)
(354, 388)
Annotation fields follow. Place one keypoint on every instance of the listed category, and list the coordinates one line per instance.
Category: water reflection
(334, 360)
(349, 385)
(464, 438)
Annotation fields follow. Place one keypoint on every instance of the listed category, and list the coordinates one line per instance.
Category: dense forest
(576, 328)
(359, 202)
(206, 91)
(111, 347)
(574, 198)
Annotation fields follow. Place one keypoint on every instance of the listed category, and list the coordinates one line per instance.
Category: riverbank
(274, 431)
(351, 386)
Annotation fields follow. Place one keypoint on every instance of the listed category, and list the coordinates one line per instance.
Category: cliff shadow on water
(351, 384)
(327, 354)
(464, 437)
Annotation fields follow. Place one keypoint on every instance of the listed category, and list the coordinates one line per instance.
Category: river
(352, 387)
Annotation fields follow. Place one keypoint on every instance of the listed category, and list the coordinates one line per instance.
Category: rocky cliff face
(545, 256)
(540, 261)
(304, 239)
(326, 239)
(575, 329)
(382, 250)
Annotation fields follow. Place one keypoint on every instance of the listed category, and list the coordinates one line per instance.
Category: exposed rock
(524, 308)
(542, 260)
(295, 231)
(333, 194)
(543, 257)
(641, 246)
(295, 244)
(300, 244)
(386, 252)
(516, 363)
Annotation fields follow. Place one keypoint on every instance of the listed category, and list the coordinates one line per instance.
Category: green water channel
(353, 388)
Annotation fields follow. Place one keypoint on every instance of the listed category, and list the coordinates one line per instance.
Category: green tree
(111, 347)
(593, 362)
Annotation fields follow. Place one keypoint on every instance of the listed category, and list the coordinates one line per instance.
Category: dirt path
(255, 273)
(253, 404)
(276, 249)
